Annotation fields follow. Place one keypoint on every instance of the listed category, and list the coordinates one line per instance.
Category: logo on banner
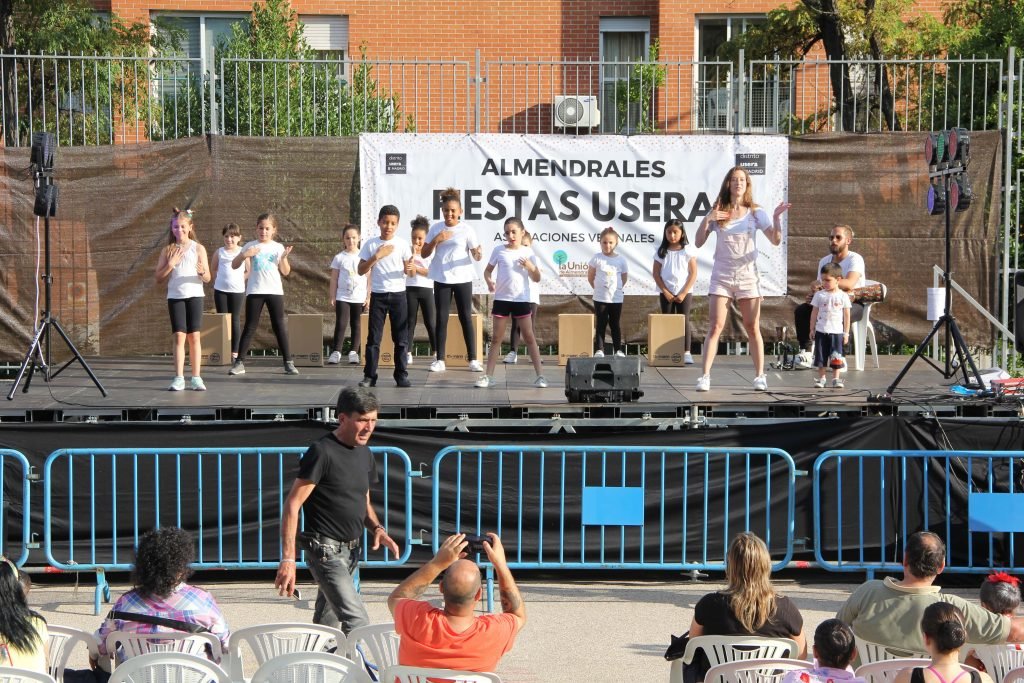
(567, 268)
(560, 258)
(753, 164)
(395, 163)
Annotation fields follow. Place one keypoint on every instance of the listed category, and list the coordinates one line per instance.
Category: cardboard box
(387, 346)
(665, 335)
(455, 347)
(215, 339)
(575, 336)
(306, 339)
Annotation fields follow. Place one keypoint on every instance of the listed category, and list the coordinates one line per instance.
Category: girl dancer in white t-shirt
(454, 246)
(229, 284)
(350, 294)
(675, 272)
(607, 273)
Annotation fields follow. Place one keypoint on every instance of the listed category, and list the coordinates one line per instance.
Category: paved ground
(578, 630)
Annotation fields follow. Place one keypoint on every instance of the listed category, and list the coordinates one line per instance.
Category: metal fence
(628, 508)
(15, 505)
(96, 501)
(874, 499)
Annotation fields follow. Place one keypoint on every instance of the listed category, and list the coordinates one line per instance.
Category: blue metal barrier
(870, 501)
(13, 547)
(594, 507)
(105, 499)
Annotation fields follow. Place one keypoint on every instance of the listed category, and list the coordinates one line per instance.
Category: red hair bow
(1003, 577)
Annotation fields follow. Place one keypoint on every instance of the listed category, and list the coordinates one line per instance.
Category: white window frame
(735, 24)
(636, 24)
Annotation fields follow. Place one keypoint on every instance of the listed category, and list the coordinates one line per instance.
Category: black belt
(314, 537)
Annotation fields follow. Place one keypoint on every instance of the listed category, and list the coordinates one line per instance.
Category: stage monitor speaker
(603, 380)
(1018, 312)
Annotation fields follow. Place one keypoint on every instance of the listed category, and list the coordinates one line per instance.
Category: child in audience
(516, 265)
(266, 260)
(830, 311)
(1000, 593)
(607, 273)
(388, 259)
(229, 284)
(675, 272)
(515, 336)
(944, 634)
(349, 293)
(183, 266)
(419, 289)
(834, 649)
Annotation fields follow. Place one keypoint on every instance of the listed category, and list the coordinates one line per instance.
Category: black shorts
(186, 314)
(514, 309)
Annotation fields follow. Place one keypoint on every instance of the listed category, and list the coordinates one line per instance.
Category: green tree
(634, 95)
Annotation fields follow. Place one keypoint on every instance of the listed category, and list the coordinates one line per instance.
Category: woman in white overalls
(735, 220)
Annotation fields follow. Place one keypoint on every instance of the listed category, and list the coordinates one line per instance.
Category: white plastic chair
(273, 640)
(724, 649)
(169, 667)
(12, 674)
(416, 674)
(376, 645)
(60, 646)
(885, 670)
(999, 659)
(1014, 675)
(876, 652)
(133, 644)
(861, 330)
(307, 667)
(755, 670)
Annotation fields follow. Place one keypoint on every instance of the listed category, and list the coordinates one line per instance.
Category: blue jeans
(337, 601)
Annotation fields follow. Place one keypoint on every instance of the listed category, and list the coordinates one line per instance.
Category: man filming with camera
(454, 637)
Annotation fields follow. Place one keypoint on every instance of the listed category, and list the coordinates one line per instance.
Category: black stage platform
(137, 392)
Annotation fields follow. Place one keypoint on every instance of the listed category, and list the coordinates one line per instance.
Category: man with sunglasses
(852, 264)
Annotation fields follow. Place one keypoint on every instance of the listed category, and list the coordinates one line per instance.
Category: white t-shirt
(418, 280)
(511, 280)
(675, 268)
(264, 277)
(229, 279)
(608, 272)
(452, 263)
(853, 262)
(351, 285)
(184, 282)
(830, 310)
(388, 274)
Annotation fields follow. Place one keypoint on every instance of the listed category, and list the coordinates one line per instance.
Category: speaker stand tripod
(35, 359)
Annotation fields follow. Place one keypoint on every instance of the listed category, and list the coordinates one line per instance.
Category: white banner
(568, 189)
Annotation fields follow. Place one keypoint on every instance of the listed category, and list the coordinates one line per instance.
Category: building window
(327, 36)
(624, 41)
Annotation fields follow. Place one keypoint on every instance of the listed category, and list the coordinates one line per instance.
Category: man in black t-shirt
(332, 489)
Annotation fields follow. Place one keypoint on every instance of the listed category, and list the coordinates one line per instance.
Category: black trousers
(231, 302)
(463, 293)
(253, 310)
(393, 305)
(608, 315)
(422, 297)
(347, 314)
(680, 307)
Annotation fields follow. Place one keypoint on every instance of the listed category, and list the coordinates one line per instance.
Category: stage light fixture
(42, 155)
(935, 147)
(936, 199)
(961, 186)
(960, 146)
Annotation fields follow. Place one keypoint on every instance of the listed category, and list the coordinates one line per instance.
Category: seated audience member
(944, 633)
(161, 568)
(1000, 593)
(834, 649)
(22, 632)
(889, 612)
(749, 606)
(454, 637)
(852, 265)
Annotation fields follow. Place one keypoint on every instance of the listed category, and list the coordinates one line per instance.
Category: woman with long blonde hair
(749, 606)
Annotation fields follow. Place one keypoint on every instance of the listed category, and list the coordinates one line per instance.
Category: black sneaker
(403, 383)
(367, 382)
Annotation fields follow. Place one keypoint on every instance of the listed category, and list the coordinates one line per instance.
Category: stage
(137, 391)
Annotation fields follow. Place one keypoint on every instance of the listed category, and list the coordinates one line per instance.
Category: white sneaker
(620, 354)
(511, 358)
(178, 384)
(437, 366)
(838, 383)
(484, 382)
(540, 382)
(704, 383)
(353, 358)
(805, 360)
(844, 368)
(334, 358)
(761, 383)
(820, 383)
(197, 384)
(408, 359)
(599, 354)
(687, 358)
(475, 366)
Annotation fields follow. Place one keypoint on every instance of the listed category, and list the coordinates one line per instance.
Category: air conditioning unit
(576, 111)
